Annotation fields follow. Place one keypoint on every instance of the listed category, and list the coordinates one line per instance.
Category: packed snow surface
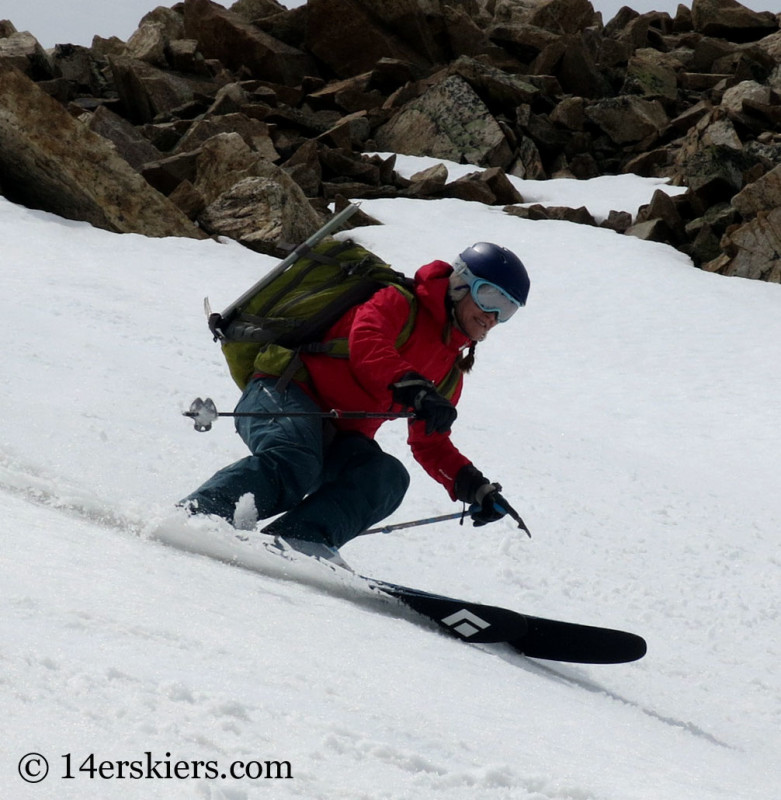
(631, 414)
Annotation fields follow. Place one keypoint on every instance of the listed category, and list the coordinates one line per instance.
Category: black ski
(535, 637)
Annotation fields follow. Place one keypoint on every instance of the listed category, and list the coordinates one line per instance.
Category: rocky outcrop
(248, 118)
(50, 160)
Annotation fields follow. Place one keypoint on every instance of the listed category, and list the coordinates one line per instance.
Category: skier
(408, 351)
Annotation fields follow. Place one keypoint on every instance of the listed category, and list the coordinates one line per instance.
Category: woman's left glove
(485, 503)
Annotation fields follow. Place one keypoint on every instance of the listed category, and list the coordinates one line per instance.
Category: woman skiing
(407, 351)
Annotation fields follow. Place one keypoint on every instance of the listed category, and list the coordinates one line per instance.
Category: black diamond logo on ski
(465, 623)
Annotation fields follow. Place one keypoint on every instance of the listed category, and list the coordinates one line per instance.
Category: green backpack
(292, 312)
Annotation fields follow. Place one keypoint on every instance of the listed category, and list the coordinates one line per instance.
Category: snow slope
(631, 414)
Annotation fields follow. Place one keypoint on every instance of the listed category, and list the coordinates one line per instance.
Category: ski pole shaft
(334, 413)
(204, 412)
(414, 523)
(443, 518)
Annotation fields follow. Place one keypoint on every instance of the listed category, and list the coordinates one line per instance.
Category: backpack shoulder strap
(339, 348)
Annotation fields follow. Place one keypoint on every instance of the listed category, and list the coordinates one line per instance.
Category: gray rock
(628, 119)
(135, 148)
(447, 121)
(730, 20)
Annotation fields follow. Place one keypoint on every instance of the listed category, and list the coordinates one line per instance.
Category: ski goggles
(492, 299)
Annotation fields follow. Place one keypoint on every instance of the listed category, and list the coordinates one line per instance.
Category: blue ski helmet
(485, 265)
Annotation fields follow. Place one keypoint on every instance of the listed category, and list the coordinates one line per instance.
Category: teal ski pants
(327, 488)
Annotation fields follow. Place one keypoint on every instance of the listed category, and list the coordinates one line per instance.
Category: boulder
(468, 38)
(169, 20)
(524, 42)
(349, 40)
(419, 25)
(429, 182)
(562, 16)
(761, 195)
(618, 221)
(267, 213)
(135, 148)
(81, 68)
(730, 20)
(653, 75)
(147, 92)
(772, 46)
(305, 169)
(251, 10)
(704, 233)
(490, 186)
(581, 215)
(51, 161)
(662, 208)
(752, 250)
(751, 104)
(570, 113)
(628, 118)
(448, 121)
(221, 163)
(148, 43)
(255, 133)
(652, 230)
(23, 51)
(496, 88)
(226, 36)
(184, 56)
(714, 175)
(573, 63)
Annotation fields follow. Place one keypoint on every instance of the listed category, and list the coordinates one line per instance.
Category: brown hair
(466, 360)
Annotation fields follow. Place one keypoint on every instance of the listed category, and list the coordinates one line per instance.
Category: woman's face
(472, 320)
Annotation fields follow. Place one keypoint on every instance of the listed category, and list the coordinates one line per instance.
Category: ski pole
(414, 523)
(444, 518)
(204, 412)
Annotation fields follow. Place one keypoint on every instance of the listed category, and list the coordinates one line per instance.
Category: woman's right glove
(416, 392)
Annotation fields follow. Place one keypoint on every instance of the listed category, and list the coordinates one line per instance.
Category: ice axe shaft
(219, 322)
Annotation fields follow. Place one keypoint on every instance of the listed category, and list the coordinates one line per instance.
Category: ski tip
(582, 644)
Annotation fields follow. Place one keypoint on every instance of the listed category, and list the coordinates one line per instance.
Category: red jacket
(361, 383)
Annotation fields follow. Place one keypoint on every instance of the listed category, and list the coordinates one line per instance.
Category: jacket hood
(432, 284)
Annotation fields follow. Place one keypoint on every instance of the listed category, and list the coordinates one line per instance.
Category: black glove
(419, 394)
(485, 503)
